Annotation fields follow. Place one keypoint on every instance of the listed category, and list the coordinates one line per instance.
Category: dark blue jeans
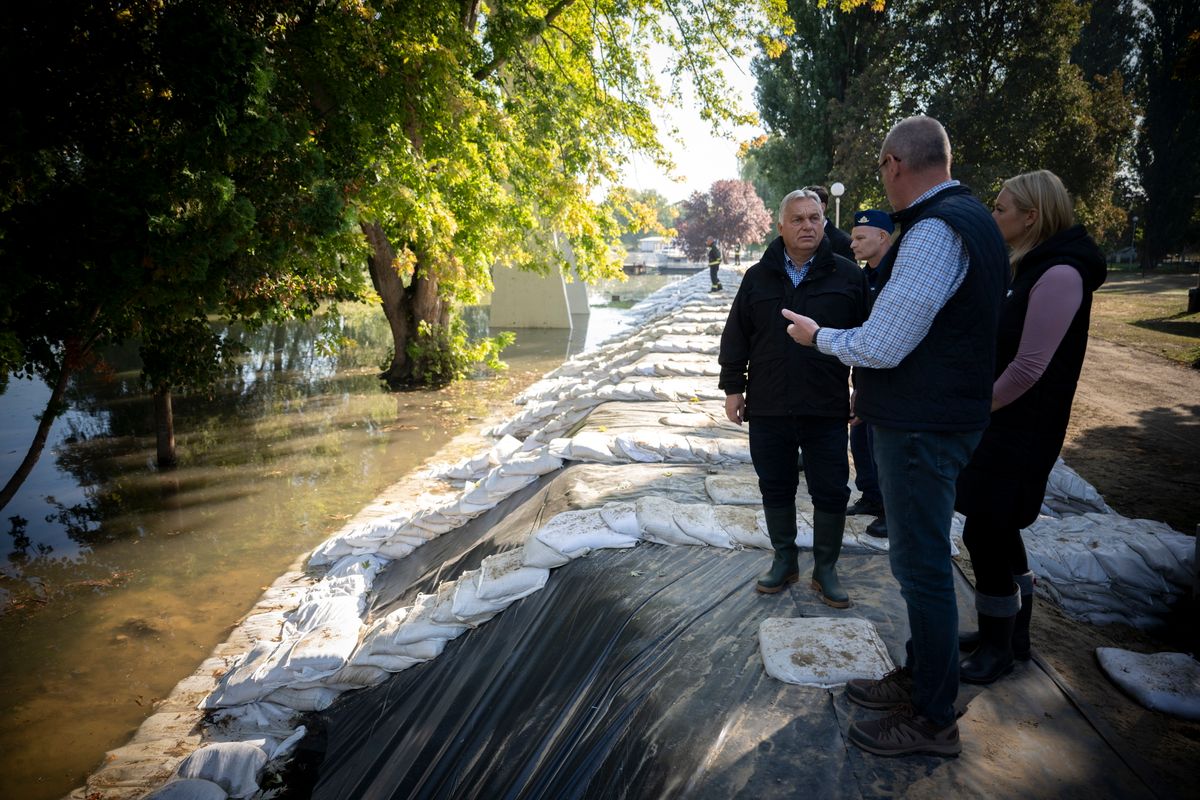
(917, 473)
(862, 448)
(774, 445)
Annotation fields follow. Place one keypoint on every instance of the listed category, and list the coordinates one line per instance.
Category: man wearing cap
(870, 238)
(837, 237)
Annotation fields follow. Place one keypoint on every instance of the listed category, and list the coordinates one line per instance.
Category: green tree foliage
(153, 174)
(999, 75)
(730, 211)
(1109, 40)
(473, 134)
(642, 212)
(1170, 132)
(798, 91)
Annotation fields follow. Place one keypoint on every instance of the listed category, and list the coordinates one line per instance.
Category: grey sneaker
(905, 732)
(890, 691)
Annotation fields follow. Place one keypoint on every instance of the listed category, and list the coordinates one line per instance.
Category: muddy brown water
(119, 579)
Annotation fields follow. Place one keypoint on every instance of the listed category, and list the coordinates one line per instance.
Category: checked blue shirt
(929, 268)
(797, 274)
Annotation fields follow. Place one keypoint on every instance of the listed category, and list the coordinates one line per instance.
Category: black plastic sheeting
(636, 674)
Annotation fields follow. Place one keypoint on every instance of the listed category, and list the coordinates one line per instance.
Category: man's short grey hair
(920, 142)
(796, 195)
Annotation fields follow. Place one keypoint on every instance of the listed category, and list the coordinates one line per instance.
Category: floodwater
(119, 578)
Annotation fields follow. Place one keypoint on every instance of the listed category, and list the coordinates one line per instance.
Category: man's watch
(813, 341)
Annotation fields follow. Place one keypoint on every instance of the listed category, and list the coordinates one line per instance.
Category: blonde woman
(1039, 351)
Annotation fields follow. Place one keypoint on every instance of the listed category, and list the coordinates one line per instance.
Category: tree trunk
(164, 428)
(53, 408)
(395, 299)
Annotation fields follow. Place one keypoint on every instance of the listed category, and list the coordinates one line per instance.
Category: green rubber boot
(827, 546)
(785, 568)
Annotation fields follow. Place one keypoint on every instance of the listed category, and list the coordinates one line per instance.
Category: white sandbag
(1121, 562)
(285, 747)
(705, 450)
(536, 553)
(656, 517)
(188, 789)
(365, 566)
(1167, 682)
(396, 550)
(386, 661)
(243, 682)
(365, 538)
(327, 552)
(638, 448)
(589, 446)
(577, 533)
(233, 766)
(268, 625)
(741, 524)
(499, 483)
(431, 617)
(699, 521)
(321, 651)
(436, 522)
(351, 676)
(312, 699)
(468, 606)
(256, 719)
(622, 517)
(504, 577)
(822, 651)
(734, 450)
(733, 490)
(324, 611)
(1067, 492)
(538, 462)
(424, 650)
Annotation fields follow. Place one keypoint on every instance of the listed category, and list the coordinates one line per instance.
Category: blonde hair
(1041, 191)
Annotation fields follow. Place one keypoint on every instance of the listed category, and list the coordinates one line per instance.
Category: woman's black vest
(1047, 404)
(945, 383)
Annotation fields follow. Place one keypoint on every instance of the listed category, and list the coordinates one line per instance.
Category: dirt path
(1135, 436)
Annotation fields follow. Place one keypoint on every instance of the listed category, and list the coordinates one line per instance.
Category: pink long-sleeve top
(1053, 301)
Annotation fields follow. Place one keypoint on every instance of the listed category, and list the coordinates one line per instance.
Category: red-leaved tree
(730, 211)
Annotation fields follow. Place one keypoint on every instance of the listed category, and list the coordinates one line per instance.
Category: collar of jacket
(822, 258)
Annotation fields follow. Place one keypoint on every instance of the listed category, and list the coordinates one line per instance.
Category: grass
(1149, 314)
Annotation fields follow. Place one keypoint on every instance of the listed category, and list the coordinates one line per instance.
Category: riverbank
(687, 416)
(122, 579)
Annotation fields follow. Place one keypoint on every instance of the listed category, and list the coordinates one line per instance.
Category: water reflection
(119, 579)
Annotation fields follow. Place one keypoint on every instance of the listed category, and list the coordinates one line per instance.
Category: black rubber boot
(994, 656)
(1021, 646)
(827, 546)
(785, 568)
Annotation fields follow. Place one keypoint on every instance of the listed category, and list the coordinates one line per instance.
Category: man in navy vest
(924, 371)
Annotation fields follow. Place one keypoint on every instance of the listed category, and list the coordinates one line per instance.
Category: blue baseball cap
(874, 218)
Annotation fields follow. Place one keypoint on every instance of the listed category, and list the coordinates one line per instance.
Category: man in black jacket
(795, 398)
